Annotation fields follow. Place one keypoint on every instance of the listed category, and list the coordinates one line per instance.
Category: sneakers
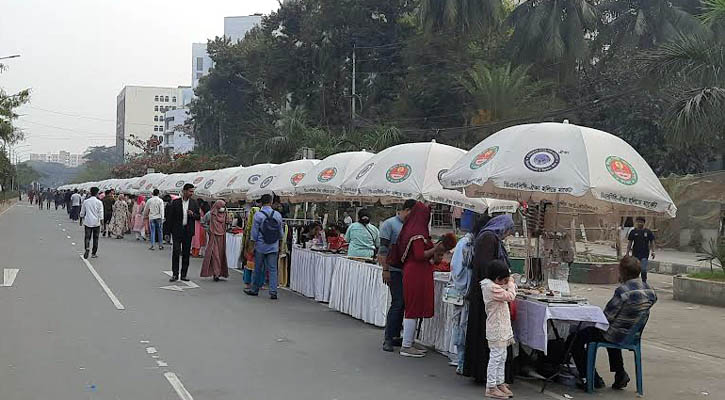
(85, 254)
(388, 346)
(621, 379)
(94, 256)
(151, 248)
(250, 292)
(411, 352)
(420, 347)
(161, 247)
(273, 296)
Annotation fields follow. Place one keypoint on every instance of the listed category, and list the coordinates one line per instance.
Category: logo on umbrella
(621, 170)
(364, 170)
(198, 179)
(440, 174)
(143, 182)
(149, 186)
(253, 179)
(484, 157)
(179, 183)
(296, 178)
(266, 182)
(398, 173)
(208, 183)
(234, 179)
(542, 160)
(327, 174)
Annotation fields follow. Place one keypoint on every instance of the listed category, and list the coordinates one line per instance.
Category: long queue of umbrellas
(578, 167)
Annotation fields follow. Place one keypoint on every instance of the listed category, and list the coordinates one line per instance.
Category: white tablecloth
(311, 273)
(436, 331)
(531, 327)
(234, 249)
(357, 289)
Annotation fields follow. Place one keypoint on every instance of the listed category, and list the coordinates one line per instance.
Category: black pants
(87, 239)
(74, 211)
(579, 351)
(182, 247)
(394, 320)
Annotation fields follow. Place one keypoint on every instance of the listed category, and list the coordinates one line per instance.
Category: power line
(91, 117)
(67, 129)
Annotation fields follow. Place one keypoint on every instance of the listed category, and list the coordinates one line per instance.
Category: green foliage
(10, 134)
(466, 17)
(26, 174)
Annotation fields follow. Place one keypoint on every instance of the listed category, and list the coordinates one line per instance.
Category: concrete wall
(236, 27)
(699, 291)
(198, 51)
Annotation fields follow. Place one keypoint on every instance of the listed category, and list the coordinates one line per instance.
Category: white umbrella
(147, 183)
(581, 168)
(241, 182)
(216, 183)
(174, 183)
(127, 186)
(199, 179)
(410, 171)
(282, 179)
(324, 181)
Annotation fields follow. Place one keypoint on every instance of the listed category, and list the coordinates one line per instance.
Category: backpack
(270, 229)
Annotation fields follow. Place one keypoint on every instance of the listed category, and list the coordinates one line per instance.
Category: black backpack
(270, 228)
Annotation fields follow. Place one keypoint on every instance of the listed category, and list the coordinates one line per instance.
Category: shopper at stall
(393, 275)
(488, 246)
(415, 249)
(138, 220)
(363, 238)
(199, 241)
(108, 202)
(118, 224)
(215, 256)
(641, 245)
(249, 248)
(183, 212)
(631, 302)
(310, 233)
(267, 231)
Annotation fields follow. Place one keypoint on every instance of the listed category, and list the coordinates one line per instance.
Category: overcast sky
(76, 55)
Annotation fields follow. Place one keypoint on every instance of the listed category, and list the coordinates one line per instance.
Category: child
(498, 290)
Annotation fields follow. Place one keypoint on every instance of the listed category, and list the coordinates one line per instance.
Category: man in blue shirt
(265, 254)
(393, 275)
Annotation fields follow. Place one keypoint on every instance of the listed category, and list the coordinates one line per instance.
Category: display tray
(554, 299)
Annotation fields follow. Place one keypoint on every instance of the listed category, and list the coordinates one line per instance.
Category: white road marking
(151, 350)
(143, 341)
(9, 275)
(189, 284)
(538, 388)
(161, 363)
(105, 287)
(178, 386)
(72, 243)
(173, 287)
(67, 237)
(7, 209)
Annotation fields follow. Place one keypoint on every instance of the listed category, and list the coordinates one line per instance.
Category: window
(156, 128)
(166, 99)
(156, 118)
(173, 107)
(156, 98)
(199, 63)
(173, 99)
(156, 108)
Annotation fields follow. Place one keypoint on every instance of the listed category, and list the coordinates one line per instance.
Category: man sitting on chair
(631, 300)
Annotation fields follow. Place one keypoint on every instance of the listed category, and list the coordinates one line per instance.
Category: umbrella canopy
(216, 183)
(409, 171)
(127, 186)
(147, 183)
(581, 168)
(174, 183)
(239, 183)
(282, 179)
(324, 180)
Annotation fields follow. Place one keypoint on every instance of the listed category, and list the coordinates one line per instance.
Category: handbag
(451, 295)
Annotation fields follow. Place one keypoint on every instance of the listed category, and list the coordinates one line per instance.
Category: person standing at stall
(363, 237)
(215, 256)
(393, 275)
(488, 247)
(267, 231)
(138, 219)
(183, 213)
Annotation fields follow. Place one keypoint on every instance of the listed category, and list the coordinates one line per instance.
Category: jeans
(459, 324)
(496, 367)
(94, 231)
(156, 232)
(643, 262)
(263, 263)
(75, 210)
(579, 351)
(181, 248)
(394, 319)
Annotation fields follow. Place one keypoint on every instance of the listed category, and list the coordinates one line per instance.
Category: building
(140, 113)
(176, 141)
(200, 63)
(236, 27)
(62, 157)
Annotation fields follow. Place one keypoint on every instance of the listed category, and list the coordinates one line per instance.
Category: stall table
(311, 273)
(234, 249)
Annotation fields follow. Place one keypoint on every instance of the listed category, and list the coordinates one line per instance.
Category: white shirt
(92, 212)
(155, 208)
(348, 220)
(185, 210)
(75, 200)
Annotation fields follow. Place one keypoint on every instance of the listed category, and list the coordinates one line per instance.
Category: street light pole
(11, 56)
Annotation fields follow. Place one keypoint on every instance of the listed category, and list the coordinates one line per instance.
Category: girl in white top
(498, 290)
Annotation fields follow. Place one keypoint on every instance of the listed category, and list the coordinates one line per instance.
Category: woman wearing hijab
(415, 249)
(119, 218)
(199, 240)
(363, 237)
(137, 212)
(215, 256)
(488, 246)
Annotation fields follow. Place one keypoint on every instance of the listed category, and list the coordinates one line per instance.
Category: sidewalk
(667, 261)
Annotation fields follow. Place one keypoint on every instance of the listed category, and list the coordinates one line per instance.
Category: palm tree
(467, 17)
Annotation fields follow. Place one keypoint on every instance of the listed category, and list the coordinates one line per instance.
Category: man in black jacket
(183, 213)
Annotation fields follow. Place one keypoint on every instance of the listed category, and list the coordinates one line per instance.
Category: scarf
(218, 222)
(500, 226)
(414, 228)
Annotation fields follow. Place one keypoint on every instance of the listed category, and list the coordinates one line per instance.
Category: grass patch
(710, 276)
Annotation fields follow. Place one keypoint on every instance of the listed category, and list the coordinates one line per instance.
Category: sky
(77, 55)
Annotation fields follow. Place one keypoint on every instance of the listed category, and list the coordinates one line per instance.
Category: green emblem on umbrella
(621, 170)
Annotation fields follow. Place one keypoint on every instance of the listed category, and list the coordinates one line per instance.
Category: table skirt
(234, 250)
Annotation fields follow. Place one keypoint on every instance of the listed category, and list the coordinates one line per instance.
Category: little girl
(498, 290)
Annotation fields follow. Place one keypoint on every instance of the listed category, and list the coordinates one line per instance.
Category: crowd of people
(481, 286)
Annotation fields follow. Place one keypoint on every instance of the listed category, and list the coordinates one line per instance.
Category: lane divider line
(178, 386)
(105, 287)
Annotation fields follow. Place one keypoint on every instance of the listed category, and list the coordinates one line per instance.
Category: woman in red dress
(416, 249)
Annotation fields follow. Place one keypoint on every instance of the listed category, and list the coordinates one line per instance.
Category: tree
(26, 174)
(10, 134)
(461, 17)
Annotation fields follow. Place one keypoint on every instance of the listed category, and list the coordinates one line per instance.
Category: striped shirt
(631, 299)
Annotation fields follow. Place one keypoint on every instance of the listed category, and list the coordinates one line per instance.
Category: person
(498, 289)
(49, 197)
(393, 275)
(199, 240)
(154, 211)
(363, 237)
(347, 220)
(248, 246)
(118, 224)
(58, 197)
(167, 231)
(460, 279)
(267, 231)
(137, 212)
(335, 239)
(183, 213)
(92, 215)
(66, 198)
(215, 256)
(75, 204)
(414, 249)
(310, 233)
(488, 246)
(108, 203)
(630, 302)
(641, 245)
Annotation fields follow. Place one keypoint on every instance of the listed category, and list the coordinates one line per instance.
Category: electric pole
(353, 82)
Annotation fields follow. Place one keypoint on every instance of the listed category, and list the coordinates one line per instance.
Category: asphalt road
(62, 336)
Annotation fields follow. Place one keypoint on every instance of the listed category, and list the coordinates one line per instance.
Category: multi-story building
(236, 27)
(62, 157)
(200, 63)
(140, 113)
(176, 140)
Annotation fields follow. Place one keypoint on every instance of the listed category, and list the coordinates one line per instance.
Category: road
(63, 337)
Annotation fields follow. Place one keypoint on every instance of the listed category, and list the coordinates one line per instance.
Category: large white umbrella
(581, 168)
(174, 183)
(146, 184)
(324, 180)
(282, 179)
(239, 183)
(127, 186)
(216, 183)
(410, 171)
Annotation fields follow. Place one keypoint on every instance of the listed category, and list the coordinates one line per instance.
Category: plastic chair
(633, 343)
